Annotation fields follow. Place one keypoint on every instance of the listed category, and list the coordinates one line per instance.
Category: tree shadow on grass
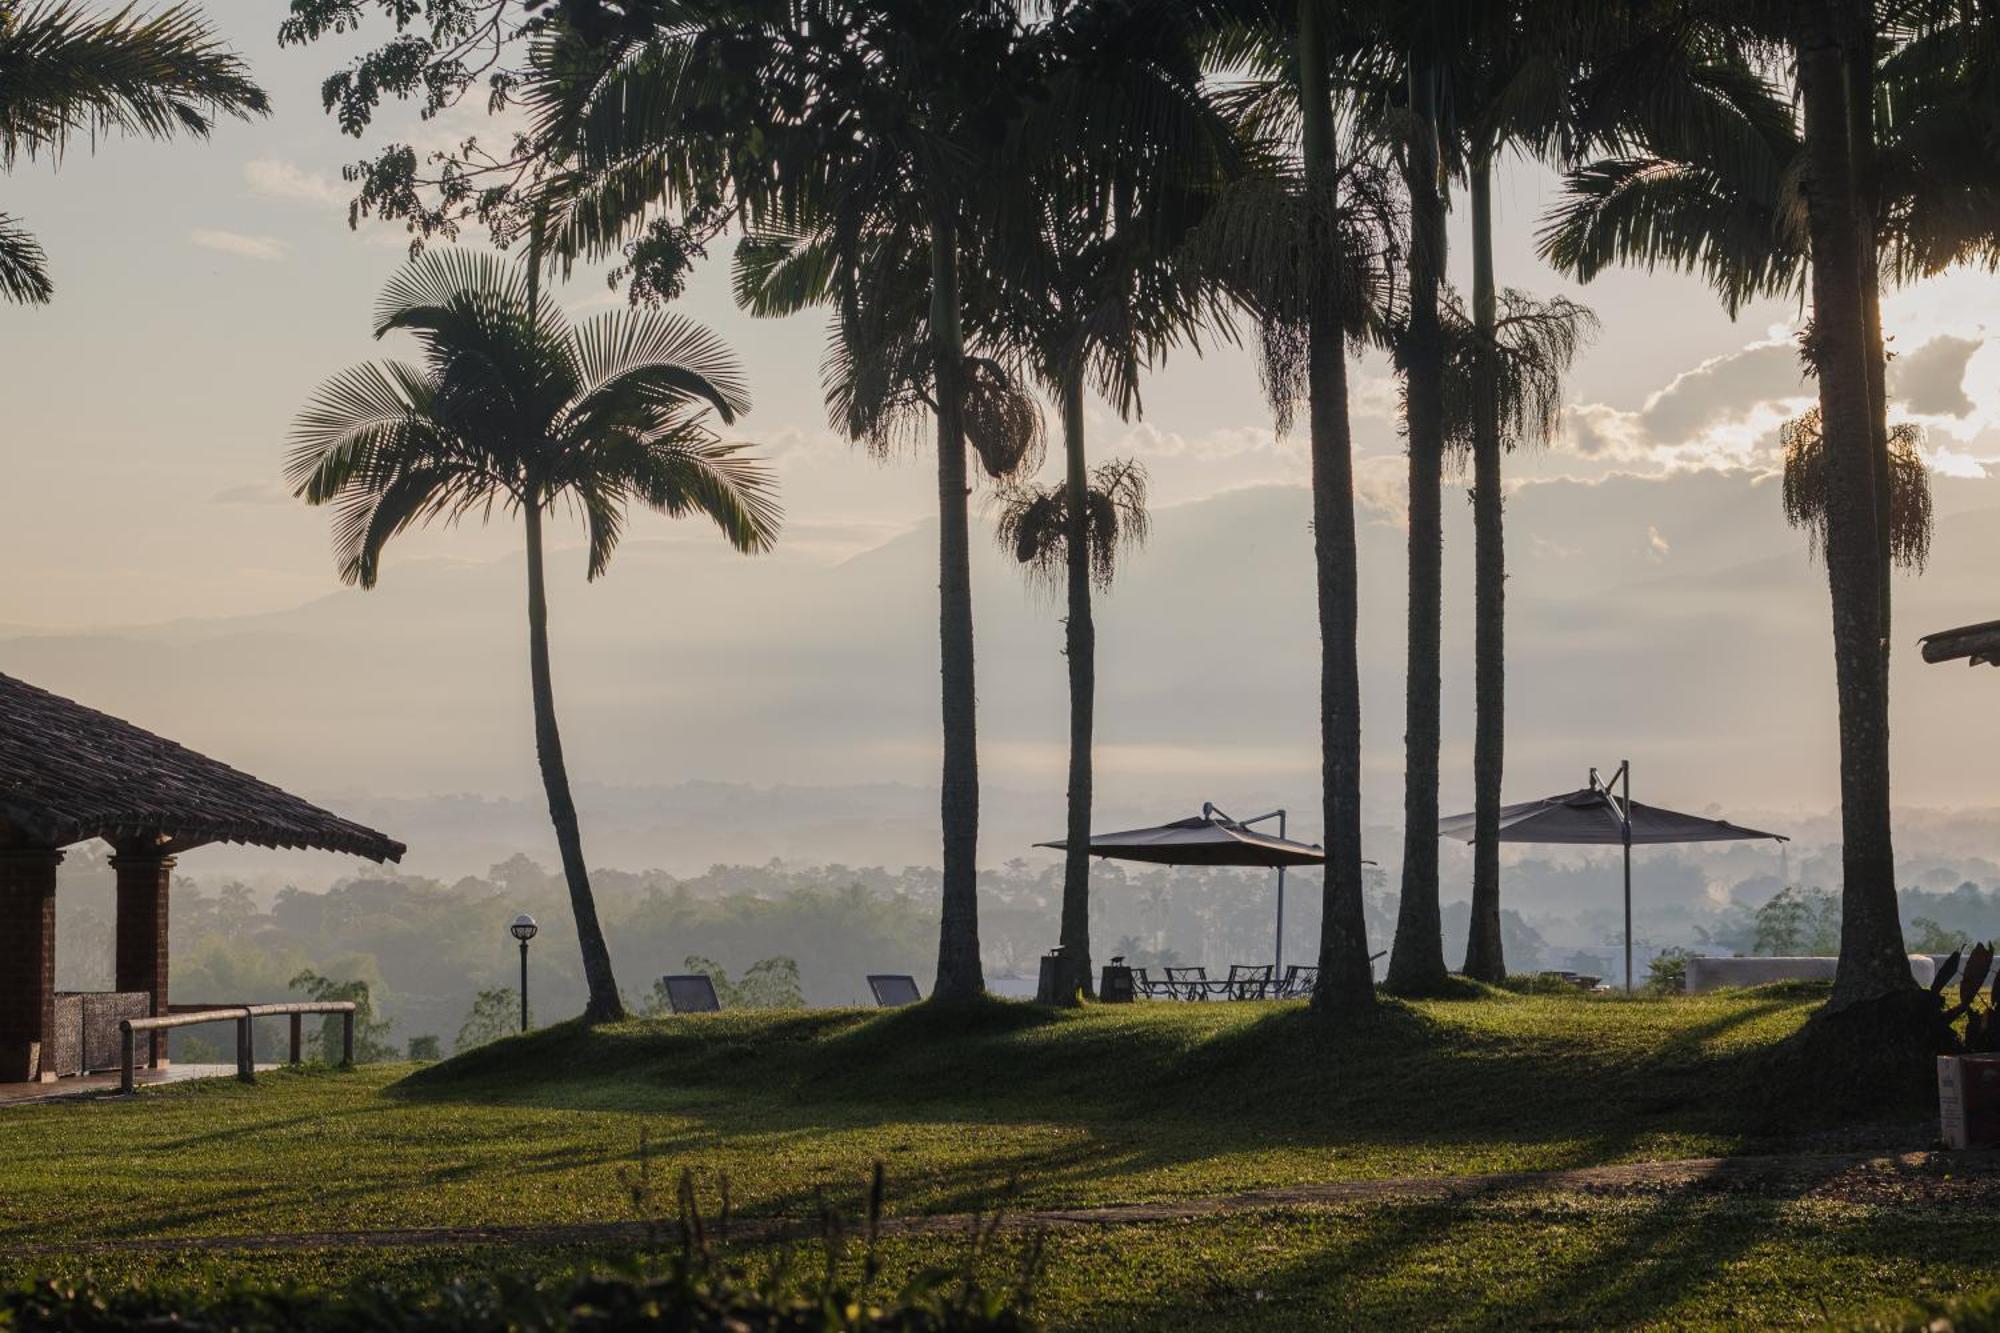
(1498, 1258)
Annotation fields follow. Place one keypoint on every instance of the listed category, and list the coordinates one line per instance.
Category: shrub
(693, 1296)
(1668, 972)
(494, 1014)
(1540, 983)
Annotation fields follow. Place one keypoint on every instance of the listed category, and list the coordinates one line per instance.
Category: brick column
(142, 935)
(27, 961)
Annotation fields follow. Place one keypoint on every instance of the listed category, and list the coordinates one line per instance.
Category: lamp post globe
(524, 929)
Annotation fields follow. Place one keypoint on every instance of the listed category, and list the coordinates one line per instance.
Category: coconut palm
(1071, 548)
(1094, 284)
(848, 126)
(860, 137)
(1304, 244)
(1889, 170)
(517, 410)
(1416, 960)
(65, 74)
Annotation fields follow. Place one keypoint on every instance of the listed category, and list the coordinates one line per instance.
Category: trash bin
(1114, 985)
(1054, 979)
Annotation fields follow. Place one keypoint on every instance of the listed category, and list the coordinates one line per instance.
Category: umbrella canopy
(1204, 840)
(1590, 816)
(1604, 813)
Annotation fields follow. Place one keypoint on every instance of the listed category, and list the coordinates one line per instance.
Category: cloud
(1724, 389)
(235, 243)
(1722, 414)
(1931, 380)
(1658, 548)
(273, 178)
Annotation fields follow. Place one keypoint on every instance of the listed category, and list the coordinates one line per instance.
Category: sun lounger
(691, 995)
(893, 991)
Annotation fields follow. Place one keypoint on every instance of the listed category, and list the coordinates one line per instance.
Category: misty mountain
(723, 708)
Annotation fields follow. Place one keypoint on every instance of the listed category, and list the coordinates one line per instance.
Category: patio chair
(1146, 985)
(1248, 981)
(1187, 983)
(893, 990)
(1298, 982)
(692, 994)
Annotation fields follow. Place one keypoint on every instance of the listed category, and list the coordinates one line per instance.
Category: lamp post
(524, 929)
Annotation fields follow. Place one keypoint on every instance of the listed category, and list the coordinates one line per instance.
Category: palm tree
(64, 74)
(867, 137)
(518, 410)
(1416, 962)
(1304, 244)
(1095, 283)
(1889, 171)
(1070, 536)
(852, 125)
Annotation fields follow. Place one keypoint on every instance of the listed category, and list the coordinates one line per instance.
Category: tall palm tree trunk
(1346, 982)
(1484, 957)
(1080, 646)
(1872, 961)
(959, 976)
(1860, 55)
(1417, 962)
(605, 1005)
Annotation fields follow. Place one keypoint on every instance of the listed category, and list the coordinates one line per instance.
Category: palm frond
(1912, 519)
(680, 472)
(354, 421)
(24, 271)
(64, 73)
(657, 359)
(496, 419)
(1033, 523)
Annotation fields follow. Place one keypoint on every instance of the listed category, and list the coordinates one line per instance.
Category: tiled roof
(68, 773)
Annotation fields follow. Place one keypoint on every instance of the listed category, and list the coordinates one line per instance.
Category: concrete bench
(1706, 974)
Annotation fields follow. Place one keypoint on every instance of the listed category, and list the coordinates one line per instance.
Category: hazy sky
(204, 290)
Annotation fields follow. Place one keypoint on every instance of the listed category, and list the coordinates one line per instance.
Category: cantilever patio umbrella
(1211, 838)
(1605, 814)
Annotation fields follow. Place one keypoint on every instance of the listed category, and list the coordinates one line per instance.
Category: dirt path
(1855, 1177)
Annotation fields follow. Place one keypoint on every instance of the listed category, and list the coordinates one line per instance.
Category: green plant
(1794, 922)
(425, 1048)
(1667, 974)
(518, 411)
(371, 1034)
(1982, 1026)
(494, 1014)
(66, 75)
(769, 983)
(1927, 936)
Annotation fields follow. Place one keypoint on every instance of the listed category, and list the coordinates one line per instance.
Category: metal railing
(242, 1015)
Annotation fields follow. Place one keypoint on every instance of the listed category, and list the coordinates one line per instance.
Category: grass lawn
(1108, 1104)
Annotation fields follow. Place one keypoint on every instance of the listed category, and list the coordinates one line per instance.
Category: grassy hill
(1009, 1105)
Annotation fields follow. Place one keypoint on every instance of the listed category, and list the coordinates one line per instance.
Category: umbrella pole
(1625, 774)
(1628, 913)
(1278, 966)
(1278, 961)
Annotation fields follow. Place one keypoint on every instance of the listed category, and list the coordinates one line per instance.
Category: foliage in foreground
(695, 1292)
(694, 1295)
